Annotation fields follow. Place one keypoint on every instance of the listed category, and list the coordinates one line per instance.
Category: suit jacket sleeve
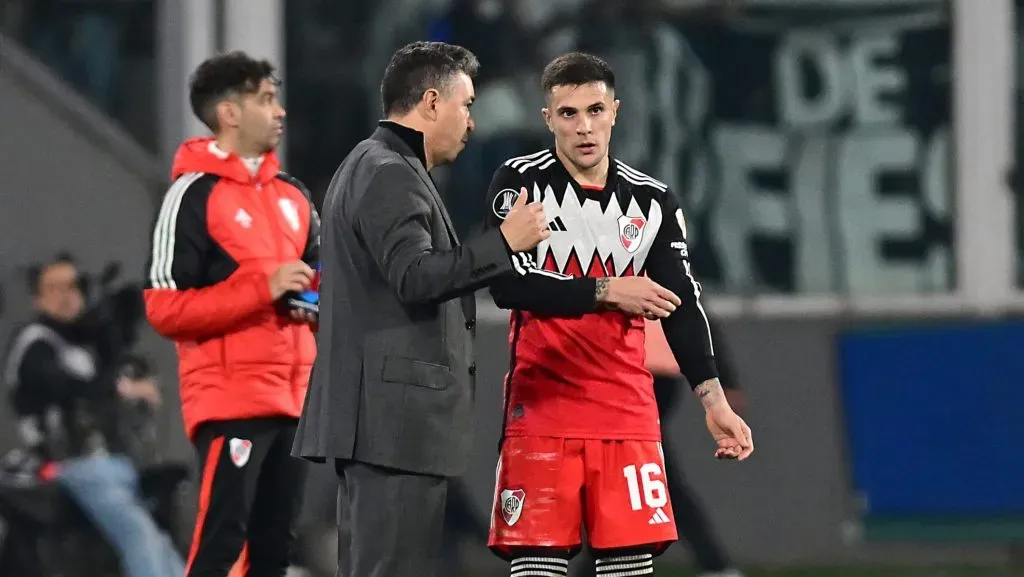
(534, 290)
(393, 219)
(686, 330)
(180, 303)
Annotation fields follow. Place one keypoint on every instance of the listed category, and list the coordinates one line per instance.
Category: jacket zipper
(279, 247)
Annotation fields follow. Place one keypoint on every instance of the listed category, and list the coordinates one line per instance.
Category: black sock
(625, 565)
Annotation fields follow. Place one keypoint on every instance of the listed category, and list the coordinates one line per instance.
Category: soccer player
(581, 438)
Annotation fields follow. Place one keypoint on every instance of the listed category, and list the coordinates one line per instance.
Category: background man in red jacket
(234, 240)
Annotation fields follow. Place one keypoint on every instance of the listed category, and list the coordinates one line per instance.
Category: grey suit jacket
(394, 379)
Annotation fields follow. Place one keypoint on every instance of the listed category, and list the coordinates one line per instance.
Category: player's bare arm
(601, 289)
(731, 433)
(711, 394)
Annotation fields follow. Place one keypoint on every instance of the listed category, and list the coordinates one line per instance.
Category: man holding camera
(64, 374)
(233, 248)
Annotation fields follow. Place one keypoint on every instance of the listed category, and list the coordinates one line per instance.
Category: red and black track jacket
(219, 235)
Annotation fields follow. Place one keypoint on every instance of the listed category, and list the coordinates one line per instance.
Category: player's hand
(139, 389)
(637, 295)
(526, 225)
(290, 277)
(303, 316)
(731, 433)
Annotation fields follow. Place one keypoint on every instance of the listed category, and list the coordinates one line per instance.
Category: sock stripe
(538, 573)
(540, 567)
(626, 559)
(622, 566)
(625, 566)
(551, 560)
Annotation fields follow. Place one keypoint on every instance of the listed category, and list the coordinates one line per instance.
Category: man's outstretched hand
(730, 432)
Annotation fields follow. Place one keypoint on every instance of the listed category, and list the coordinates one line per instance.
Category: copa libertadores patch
(503, 202)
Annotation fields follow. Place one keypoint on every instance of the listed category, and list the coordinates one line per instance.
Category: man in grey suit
(390, 398)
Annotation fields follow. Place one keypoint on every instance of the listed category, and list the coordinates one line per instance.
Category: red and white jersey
(577, 372)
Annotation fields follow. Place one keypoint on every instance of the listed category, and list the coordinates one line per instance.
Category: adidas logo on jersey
(659, 517)
(557, 225)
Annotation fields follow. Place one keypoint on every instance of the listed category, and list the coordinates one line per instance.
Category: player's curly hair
(576, 69)
(418, 67)
(225, 76)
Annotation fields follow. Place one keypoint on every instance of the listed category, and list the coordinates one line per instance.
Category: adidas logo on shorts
(658, 518)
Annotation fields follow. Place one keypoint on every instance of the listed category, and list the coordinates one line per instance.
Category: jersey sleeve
(179, 305)
(311, 253)
(687, 329)
(534, 289)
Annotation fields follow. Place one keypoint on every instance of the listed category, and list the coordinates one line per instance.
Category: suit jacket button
(472, 369)
(470, 325)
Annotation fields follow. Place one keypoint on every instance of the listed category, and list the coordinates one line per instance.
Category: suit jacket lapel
(429, 182)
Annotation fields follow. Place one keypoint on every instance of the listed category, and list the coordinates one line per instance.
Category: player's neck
(230, 145)
(595, 176)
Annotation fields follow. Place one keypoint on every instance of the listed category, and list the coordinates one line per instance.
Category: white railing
(983, 97)
(822, 306)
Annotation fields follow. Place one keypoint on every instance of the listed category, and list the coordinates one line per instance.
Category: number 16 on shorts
(646, 489)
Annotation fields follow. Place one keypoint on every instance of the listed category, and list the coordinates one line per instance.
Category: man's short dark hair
(224, 76)
(418, 67)
(576, 69)
(35, 272)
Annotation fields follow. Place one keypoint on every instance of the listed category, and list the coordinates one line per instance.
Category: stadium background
(847, 168)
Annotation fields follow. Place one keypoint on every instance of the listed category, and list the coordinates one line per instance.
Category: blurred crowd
(105, 49)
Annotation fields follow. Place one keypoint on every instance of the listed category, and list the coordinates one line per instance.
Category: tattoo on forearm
(601, 292)
(710, 393)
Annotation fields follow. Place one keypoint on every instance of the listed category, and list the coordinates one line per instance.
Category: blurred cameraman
(67, 379)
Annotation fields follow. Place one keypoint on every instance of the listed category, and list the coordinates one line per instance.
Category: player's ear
(431, 98)
(228, 113)
(615, 110)
(547, 118)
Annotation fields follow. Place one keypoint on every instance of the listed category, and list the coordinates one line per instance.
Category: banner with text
(811, 145)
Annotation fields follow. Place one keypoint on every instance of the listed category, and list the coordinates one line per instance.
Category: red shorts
(548, 488)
